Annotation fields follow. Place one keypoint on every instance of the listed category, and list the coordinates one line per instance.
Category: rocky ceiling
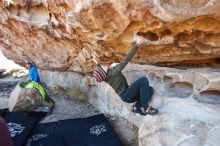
(61, 35)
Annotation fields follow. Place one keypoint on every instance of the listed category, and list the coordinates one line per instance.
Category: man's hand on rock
(139, 40)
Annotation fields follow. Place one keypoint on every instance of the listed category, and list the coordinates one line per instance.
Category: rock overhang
(62, 35)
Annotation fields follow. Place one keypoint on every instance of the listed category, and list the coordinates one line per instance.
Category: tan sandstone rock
(61, 35)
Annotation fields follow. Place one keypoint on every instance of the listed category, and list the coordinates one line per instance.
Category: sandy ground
(69, 108)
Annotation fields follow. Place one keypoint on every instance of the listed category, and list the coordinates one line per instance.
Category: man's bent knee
(144, 79)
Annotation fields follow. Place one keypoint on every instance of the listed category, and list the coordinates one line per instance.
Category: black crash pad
(20, 127)
(91, 131)
(3, 112)
(21, 124)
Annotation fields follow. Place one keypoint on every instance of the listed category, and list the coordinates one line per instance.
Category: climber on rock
(139, 92)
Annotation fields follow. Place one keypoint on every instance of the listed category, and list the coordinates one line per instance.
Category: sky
(7, 64)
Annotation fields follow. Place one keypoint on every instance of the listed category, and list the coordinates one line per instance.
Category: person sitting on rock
(35, 83)
(139, 92)
(33, 73)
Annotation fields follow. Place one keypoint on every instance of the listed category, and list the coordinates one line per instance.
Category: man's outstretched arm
(126, 59)
(130, 55)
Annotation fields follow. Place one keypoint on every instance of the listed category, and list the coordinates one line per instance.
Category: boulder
(26, 100)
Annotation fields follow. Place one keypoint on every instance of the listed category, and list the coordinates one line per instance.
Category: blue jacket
(33, 74)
